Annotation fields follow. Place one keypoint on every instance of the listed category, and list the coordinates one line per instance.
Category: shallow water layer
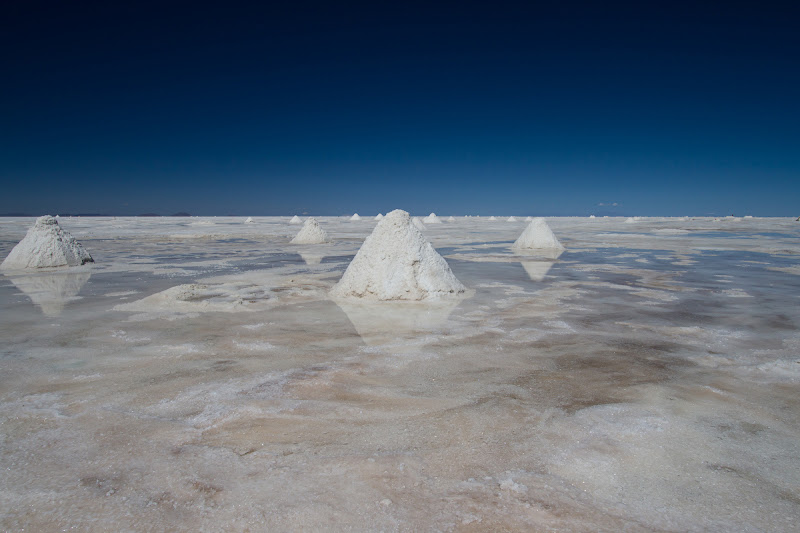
(648, 378)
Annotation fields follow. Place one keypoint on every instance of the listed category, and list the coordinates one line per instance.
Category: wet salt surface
(640, 381)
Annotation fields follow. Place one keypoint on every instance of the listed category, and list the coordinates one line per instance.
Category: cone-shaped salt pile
(249, 220)
(451, 218)
(310, 233)
(511, 219)
(46, 246)
(432, 219)
(396, 262)
(492, 218)
(592, 216)
(296, 220)
(379, 216)
(630, 220)
(355, 217)
(528, 219)
(537, 235)
(418, 223)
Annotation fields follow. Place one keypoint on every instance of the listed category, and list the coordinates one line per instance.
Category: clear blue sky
(664, 108)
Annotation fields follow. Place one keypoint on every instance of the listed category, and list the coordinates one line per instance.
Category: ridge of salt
(537, 235)
(46, 245)
(310, 233)
(396, 262)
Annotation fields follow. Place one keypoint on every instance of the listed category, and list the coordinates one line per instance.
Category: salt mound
(592, 216)
(528, 219)
(296, 220)
(537, 235)
(418, 223)
(451, 219)
(396, 262)
(249, 220)
(310, 233)
(432, 219)
(46, 245)
(355, 217)
(630, 220)
(492, 218)
(511, 219)
(379, 216)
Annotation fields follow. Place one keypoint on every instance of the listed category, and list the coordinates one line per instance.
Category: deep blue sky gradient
(664, 108)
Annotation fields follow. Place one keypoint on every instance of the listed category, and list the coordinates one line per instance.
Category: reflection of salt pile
(311, 258)
(310, 233)
(418, 224)
(537, 235)
(511, 219)
(396, 262)
(538, 263)
(50, 291)
(355, 217)
(46, 245)
(379, 216)
(432, 219)
(249, 220)
(296, 220)
(378, 323)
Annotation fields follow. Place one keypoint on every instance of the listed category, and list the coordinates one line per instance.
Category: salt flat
(197, 377)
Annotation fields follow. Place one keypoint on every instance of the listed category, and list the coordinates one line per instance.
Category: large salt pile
(418, 223)
(396, 262)
(379, 216)
(432, 219)
(537, 236)
(355, 217)
(310, 233)
(296, 220)
(46, 245)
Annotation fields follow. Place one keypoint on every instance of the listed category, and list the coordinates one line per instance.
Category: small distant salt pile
(249, 220)
(592, 216)
(451, 218)
(355, 217)
(492, 218)
(537, 235)
(418, 223)
(310, 233)
(630, 220)
(511, 219)
(432, 219)
(379, 216)
(528, 219)
(46, 245)
(396, 262)
(296, 220)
